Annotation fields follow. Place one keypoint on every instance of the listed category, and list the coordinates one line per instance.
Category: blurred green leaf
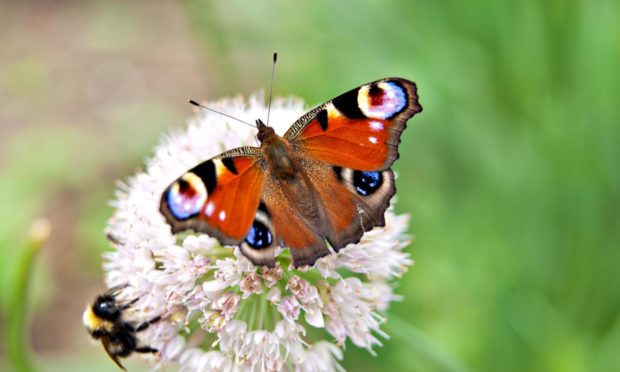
(17, 313)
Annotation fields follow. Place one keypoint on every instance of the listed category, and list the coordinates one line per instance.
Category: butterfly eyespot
(382, 100)
(186, 197)
(259, 236)
(367, 183)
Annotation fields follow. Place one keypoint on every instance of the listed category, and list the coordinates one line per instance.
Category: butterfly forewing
(218, 197)
(360, 129)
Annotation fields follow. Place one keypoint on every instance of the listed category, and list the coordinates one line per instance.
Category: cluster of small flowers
(219, 311)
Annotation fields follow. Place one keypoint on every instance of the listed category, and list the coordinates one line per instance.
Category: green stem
(263, 306)
(17, 325)
(409, 334)
(253, 310)
(269, 325)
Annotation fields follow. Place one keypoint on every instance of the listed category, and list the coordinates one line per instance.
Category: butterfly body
(320, 186)
(278, 155)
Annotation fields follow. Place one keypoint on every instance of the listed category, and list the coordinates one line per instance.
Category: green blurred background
(511, 174)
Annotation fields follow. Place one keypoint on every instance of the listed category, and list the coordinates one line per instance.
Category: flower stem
(254, 310)
(263, 306)
(16, 330)
(417, 340)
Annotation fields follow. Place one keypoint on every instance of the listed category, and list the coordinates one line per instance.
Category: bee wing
(107, 346)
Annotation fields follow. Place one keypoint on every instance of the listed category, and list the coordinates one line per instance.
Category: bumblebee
(104, 321)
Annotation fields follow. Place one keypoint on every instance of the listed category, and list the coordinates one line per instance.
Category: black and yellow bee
(104, 321)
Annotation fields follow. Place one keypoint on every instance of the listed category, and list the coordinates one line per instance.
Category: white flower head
(221, 312)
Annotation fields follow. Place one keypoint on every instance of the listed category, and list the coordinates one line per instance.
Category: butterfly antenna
(221, 113)
(273, 74)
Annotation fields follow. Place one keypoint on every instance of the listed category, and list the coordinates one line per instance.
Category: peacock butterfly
(323, 184)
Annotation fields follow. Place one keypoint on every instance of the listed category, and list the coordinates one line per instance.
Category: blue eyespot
(259, 236)
(367, 183)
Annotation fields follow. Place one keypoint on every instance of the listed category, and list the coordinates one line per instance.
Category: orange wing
(218, 197)
(359, 129)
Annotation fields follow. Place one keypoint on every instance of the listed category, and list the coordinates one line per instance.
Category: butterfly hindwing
(372, 191)
(297, 221)
(360, 129)
(352, 201)
(218, 197)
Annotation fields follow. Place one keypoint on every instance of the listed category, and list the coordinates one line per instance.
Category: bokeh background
(511, 174)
